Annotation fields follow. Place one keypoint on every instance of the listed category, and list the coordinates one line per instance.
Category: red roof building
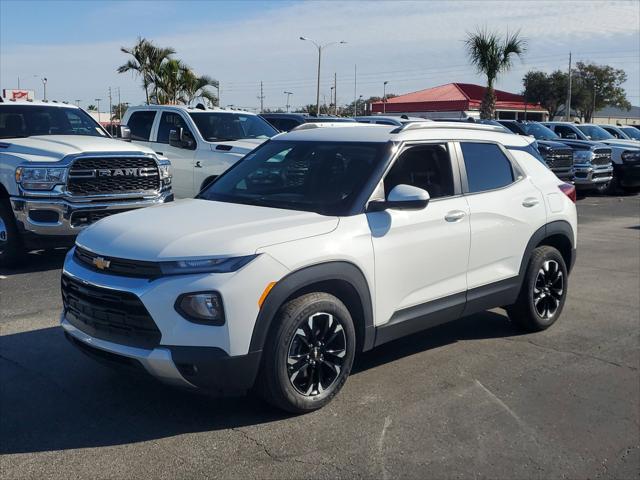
(459, 100)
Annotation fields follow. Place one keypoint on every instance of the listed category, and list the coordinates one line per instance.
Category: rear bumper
(207, 368)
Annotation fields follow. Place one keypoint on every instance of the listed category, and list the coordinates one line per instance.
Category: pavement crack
(572, 352)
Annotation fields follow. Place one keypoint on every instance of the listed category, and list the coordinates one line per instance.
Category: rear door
(505, 210)
(182, 159)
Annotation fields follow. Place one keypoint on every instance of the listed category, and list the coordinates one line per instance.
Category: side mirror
(123, 133)
(402, 197)
(180, 139)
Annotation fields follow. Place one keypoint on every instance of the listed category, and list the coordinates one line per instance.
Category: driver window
(171, 121)
(424, 166)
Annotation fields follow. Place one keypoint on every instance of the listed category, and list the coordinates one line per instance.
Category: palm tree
(194, 86)
(158, 57)
(491, 55)
(167, 81)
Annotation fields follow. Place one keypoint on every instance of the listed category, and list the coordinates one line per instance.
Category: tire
(613, 187)
(543, 293)
(604, 188)
(295, 377)
(11, 249)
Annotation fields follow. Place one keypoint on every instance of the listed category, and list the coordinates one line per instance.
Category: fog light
(201, 307)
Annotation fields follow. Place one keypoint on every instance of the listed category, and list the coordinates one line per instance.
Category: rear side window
(140, 124)
(487, 166)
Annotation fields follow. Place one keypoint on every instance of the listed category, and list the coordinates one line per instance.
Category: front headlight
(582, 156)
(631, 156)
(208, 265)
(40, 178)
(165, 172)
(201, 307)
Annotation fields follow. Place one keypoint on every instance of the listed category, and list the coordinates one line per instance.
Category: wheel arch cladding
(344, 280)
(557, 234)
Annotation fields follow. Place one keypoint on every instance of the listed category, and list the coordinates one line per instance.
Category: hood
(581, 144)
(626, 144)
(199, 228)
(53, 148)
(237, 147)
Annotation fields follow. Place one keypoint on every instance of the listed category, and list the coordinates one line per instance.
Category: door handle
(454, 216)
(198, 164)
(530, 202)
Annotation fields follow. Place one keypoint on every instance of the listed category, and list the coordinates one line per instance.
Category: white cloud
(414, 45)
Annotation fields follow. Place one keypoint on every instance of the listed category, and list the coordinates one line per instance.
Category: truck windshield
(28, 120)
(227, 126)
(321, 177)
(631, 132)
(593, 132)
(539, 132)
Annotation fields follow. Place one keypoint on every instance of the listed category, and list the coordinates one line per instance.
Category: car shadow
(52, 397)
(38, 261)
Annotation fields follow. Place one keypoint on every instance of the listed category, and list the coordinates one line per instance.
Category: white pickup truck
(200, 143)
(60, 171)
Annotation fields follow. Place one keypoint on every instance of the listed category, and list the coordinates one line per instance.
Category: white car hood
(53, 148)
(199, 228)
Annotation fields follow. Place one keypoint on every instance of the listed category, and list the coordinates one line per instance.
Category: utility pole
(355, 89)
(44, 84)
(330, 99)
(335, 94)
(119, 105)
(384, 97)
(110, 107)
(567, 108)
(288, 94)
(98, 107)
(320, 47)
(261, 97)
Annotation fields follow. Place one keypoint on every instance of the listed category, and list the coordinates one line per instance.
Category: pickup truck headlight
(582, 156)
(208, 265)
(631, 156)
(40, 178)
(201, 307)
(165, 173)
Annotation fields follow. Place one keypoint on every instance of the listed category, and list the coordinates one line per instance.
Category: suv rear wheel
(11, 250)
(543, 293)
(309, 354)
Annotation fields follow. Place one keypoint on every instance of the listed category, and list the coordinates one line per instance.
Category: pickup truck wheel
(11, 251)
(309, 353)
(543, 292)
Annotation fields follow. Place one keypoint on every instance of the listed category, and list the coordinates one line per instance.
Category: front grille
(111, 315)
(105, 175)
(601, 156)
(560, 159)
(119, 266)
(84, 218)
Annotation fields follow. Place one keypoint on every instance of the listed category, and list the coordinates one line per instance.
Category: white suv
(201, 144)
(322, 243)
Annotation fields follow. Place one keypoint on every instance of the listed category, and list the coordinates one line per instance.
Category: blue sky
(413, 45)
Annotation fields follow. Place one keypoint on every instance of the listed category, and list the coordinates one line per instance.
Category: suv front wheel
(309, 354)
(543, 293)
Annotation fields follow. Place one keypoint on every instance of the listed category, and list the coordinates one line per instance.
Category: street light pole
(384, 97)
(320, 47)
(44, 84)
(288, 94)
(98, 107)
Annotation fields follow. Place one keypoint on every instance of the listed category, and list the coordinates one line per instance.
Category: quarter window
(140, 124)
(170, 121)
(425, 166)
(487, 166)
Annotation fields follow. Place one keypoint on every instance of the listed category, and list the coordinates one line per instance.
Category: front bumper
(205, 368)
(67, 217)
(587, 175)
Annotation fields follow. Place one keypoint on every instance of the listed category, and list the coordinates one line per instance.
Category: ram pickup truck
(625, 154)
(200, 143)
(60, 171)
(557, 155)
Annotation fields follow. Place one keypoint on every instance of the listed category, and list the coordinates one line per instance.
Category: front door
(421, 255)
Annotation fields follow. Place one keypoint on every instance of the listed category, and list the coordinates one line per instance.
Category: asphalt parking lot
(471, 399)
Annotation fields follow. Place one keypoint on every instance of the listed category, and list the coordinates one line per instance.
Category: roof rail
(456, 125)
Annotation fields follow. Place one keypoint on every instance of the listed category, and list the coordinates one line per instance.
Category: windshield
(593, 132)
(540, 132)
(321, 177)
(631, 132)
(27, 120)
(220, 127)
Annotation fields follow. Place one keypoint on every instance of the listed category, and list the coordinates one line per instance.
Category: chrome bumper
(65, 209)
(157, 362)
(587, 174)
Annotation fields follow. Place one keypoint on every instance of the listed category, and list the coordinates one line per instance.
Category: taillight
(569, 190)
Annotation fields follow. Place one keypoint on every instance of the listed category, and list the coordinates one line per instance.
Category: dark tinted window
(26, 120)
(322, 177)
(284, 124)
(564, 131)
(487, 167)
(427, 167)
(514, 127)
(140, 124)
(170, 121)
(219, 127)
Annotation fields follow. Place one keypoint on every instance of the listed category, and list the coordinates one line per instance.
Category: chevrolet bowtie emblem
(100, 263)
